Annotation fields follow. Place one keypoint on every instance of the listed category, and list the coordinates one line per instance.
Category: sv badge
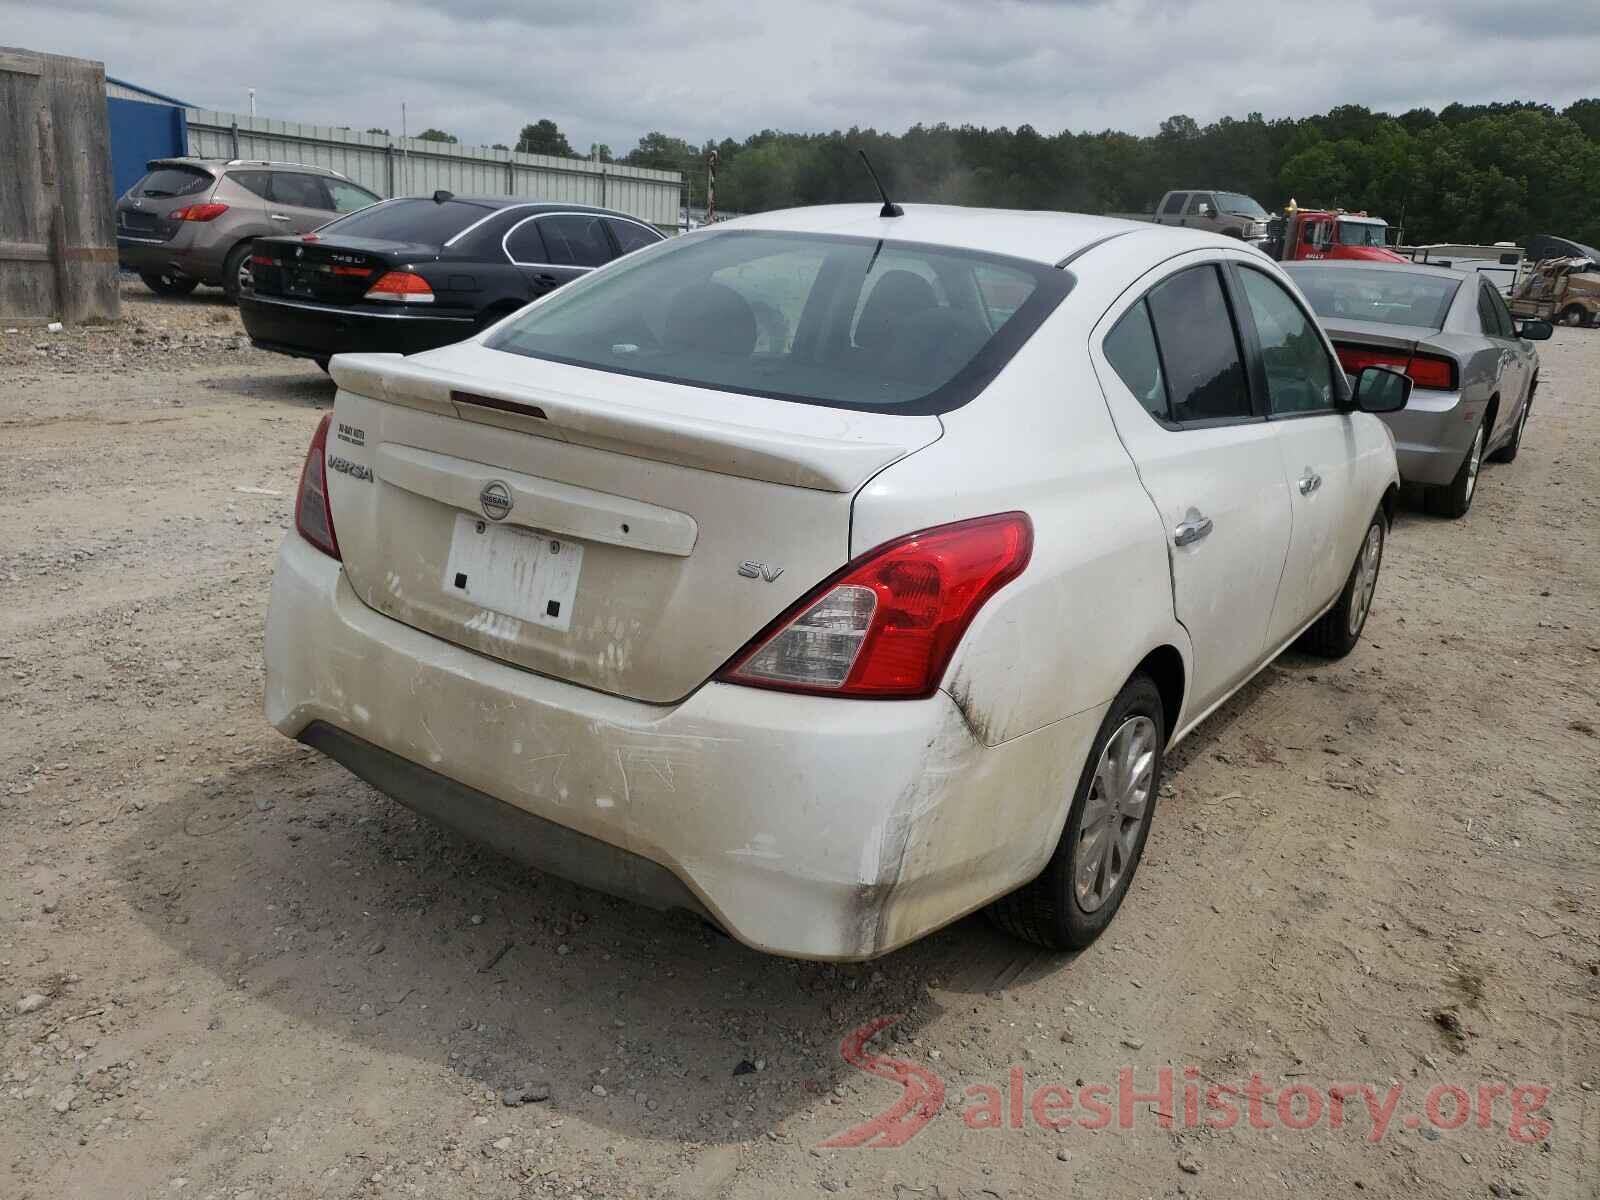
(755, 570)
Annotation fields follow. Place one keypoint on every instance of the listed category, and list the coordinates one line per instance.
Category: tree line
(1476, 173)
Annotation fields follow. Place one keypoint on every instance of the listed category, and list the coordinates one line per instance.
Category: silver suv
(191, 220)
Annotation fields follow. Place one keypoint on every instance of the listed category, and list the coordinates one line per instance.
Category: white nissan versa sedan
(833, 574)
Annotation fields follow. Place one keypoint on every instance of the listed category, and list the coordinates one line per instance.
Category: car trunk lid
(617, 533)
(333, 272)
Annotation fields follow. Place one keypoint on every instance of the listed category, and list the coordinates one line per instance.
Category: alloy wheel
(1473, 463)
(1366, 577)
(1114, 812)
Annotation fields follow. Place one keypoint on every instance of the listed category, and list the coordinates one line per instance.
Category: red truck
(1310, 233)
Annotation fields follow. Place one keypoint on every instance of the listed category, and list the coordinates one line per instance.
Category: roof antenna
(441, 196)
(890, 208)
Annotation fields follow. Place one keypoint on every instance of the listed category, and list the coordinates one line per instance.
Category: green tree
(663, 153)
(1585, 114)
(437, 135)
(544, 137)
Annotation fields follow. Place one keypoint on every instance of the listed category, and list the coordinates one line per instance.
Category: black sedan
(414, 273)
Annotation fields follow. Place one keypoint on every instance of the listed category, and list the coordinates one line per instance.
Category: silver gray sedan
(1472, 363)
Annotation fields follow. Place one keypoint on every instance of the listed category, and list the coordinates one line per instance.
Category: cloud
(609, 73)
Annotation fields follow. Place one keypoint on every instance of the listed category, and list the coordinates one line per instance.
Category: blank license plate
(530, 576)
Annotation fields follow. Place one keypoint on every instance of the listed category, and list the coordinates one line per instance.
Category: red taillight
(887, 624)
(263, 260)
(199, 212)
(313, 515)
(1426, 370)
(403, 286)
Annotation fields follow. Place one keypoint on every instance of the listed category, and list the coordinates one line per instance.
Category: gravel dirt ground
(229, 970)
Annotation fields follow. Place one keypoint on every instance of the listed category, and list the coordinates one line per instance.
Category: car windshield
(1361, 233)
(1233, 202)
(1362, 294)
(846, 322)
(415, 220)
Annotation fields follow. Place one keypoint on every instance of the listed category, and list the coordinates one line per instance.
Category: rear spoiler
(828, 464)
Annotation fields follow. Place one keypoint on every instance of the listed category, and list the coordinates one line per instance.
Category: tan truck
(1563, 290)
(1215, 211)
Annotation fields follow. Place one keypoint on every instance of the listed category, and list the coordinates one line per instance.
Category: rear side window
(575, 240)
(411, 220)
(1131, 350)
(846, 322)
(259, 182)
(173, 181)
(299, 191)
(631, 236)
(1496, 317)
(1199, 347)
(1174, 204)
(524, 244)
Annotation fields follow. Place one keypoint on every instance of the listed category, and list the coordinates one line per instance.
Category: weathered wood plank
(20, 62)
(24, 252)
(56, 205)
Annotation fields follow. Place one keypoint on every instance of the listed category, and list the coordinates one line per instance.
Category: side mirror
(1534, 331)
(1381, 390)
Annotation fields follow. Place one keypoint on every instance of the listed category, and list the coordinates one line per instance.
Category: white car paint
(809, 825)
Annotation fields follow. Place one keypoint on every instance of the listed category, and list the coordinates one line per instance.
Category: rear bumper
(803, 825)
(1432, 435)
(176, 257)
(312, 330)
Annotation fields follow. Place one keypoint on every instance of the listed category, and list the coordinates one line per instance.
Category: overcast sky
(610, 71)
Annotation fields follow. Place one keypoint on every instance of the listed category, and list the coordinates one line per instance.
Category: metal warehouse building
(146, 124)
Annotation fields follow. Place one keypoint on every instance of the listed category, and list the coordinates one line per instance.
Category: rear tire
(236, 271)
(169, 285)
(1572, 315)
(1338, 630)
(1455, 498)
(1075, 897)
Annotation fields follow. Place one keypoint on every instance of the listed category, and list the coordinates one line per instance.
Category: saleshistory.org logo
(1183, 1097)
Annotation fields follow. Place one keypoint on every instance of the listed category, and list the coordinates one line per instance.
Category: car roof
(503, 202)
(222, 164)
(1405, 268)
(1044, 237)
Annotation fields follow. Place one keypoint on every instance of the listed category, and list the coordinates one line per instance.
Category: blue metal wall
(140, 132)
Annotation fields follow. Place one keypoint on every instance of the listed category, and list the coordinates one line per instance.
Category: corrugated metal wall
(402, 166)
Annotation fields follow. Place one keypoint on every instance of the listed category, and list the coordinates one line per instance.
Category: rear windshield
(173, 181)
(845, 322)
(413, 220)
(1361, 294)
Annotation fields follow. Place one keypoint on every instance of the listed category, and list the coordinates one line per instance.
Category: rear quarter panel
(1096, 596)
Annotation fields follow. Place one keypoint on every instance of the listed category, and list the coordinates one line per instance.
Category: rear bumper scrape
(803, 825)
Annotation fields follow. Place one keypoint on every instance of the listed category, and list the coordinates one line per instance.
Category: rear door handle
(1310, 482)
(279, 216)
(1193, 529)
